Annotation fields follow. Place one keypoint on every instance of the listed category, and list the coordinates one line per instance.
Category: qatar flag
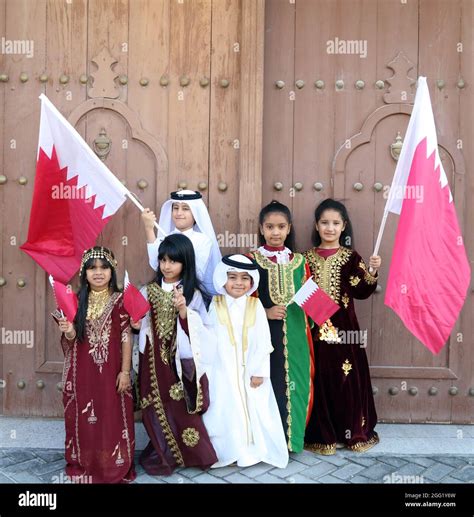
(134, 302)
(75, 195)
(66, 299)
(429, 272)
(315, 302)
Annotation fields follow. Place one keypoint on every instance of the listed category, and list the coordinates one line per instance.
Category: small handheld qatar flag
(133, 300)
(66, 299)
(315, 302)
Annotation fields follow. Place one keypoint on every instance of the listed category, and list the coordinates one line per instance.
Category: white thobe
(243, 423)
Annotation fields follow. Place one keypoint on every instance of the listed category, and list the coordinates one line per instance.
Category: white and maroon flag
(66, 299)
(429, 272)
(134, 302)
(315, 302)
(75, 195)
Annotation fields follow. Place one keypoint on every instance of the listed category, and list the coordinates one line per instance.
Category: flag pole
(134, 200)
(381, 230)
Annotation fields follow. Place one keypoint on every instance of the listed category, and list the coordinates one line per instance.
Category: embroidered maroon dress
(343, 409)
(100, 437)
(171, 408)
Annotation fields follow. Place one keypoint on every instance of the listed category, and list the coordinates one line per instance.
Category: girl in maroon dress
(344, 411)
(173, 384)
(98, 404)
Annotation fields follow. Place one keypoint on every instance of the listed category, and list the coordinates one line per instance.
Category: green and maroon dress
(291, 363)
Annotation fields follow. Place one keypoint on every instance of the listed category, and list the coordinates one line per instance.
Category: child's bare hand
(277, 312)
(375, 262)
(123, 382)
(135, 324)
(148, 218)
(255, 382)
(180, 302)
(67, 328)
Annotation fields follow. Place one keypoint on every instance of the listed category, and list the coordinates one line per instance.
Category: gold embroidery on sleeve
(370, 279)
(354, 280)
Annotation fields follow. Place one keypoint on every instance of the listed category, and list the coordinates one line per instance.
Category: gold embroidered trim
(365, 446)
(98, 332)
(370, 279)
(164, 319)
(146, 401)
(354, 280)
(346, 367)
(345, 300)
(249, 321)
(287, 382)
(280, 277)
(321, 448)
(326, 272)
(164, 310)
(190, 437)
(158, 406)
(177, 391)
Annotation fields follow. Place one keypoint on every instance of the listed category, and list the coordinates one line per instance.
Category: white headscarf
(237, 264)
(203, 224)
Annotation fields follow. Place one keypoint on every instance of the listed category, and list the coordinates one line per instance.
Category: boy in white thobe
(243, 420)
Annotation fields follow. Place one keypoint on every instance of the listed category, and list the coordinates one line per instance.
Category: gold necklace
(96, 303)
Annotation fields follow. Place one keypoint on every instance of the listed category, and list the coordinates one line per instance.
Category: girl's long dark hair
(84, 289)
(179, 248)
(346, 239)
(275, 207)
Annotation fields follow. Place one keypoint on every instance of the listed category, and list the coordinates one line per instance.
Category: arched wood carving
(138, 133)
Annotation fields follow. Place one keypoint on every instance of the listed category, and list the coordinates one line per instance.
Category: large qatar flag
(75, 195)
(429, 273)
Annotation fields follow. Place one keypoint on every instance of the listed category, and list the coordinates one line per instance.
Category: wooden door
(160, 88)
(338, 88)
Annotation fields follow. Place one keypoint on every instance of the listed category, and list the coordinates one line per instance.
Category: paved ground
(31, 451)
(47, 466)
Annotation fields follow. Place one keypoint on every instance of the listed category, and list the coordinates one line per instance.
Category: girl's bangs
(168, 249)
(90, 263)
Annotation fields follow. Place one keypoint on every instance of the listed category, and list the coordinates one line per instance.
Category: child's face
(98, 275)
(330, 226)
(182, 216)
(275, 229)
(170, 269)
(238, 283)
